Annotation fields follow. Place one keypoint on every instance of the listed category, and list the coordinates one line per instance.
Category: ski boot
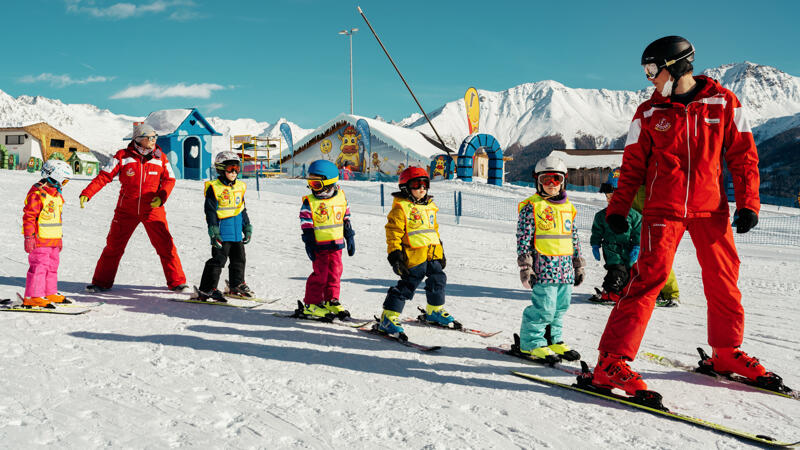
(242, 291)
(664, 302)
(727, 361)
(313, 312)
(436, 315)
(58, 298)
(180, 288)
(390, 323)
(334, 307)
(604, 297)
(95, 288)
(561, 349)
(613, 372)
(214, 295)
(542, 355)
(40, 302)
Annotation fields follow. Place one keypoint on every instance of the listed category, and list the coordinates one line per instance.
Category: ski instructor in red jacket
(146, 180)
(676, 145)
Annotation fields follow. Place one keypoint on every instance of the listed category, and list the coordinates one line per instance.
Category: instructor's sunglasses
(553, 179)
(419, 183)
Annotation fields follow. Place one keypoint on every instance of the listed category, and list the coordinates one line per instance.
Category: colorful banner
(472, 103)
(287, 136)
(364, 137)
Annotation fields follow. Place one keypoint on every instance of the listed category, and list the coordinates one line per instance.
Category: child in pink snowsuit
(41, 226)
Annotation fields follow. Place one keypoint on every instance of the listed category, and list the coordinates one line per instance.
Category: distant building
(185, 136)
(39, 140)
(589, 167)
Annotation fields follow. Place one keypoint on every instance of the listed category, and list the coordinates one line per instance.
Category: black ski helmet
(673, 52)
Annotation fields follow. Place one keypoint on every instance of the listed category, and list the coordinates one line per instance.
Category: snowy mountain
(102, 130)
(526, 113)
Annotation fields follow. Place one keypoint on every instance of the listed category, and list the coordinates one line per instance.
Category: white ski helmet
(225, 158)
(550, 164)
(57, 170)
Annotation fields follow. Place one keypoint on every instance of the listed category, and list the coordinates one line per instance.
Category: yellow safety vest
(230, 199)
(50, 216)
(554, 222)
(419, 224)
(328, 216)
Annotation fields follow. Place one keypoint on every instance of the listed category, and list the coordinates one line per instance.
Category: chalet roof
(167, 121)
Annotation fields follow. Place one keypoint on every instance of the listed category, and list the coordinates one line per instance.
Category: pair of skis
(72, 308)
(231, 300)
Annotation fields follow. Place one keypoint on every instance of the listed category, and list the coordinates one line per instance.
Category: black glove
(617, 223)
(397, 259)
(580, 273)
(349, 239)
(616, 278)
(443, 261)
(744, 220)
(311, 243)
(248, 233)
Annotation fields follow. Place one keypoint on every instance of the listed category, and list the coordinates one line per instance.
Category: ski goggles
(233, 168)
(316, 185)
(552, 179)
(417, 183)
(64, 183)
(651, 70)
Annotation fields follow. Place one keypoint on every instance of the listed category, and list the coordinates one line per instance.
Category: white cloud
(198, 90)
(212, 107)
(62, 80)
(125, 10)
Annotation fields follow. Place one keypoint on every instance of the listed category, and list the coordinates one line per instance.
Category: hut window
(57, 143)
(15, 139)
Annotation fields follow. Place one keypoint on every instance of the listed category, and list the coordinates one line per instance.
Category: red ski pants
(122, 227)
(323, 284)
(713, 241)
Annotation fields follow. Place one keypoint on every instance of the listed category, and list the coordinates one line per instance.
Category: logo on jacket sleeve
(663, 124)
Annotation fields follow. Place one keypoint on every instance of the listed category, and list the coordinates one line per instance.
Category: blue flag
(363, 130)
(287, 136)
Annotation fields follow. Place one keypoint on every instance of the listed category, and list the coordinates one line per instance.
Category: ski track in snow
(144, 372)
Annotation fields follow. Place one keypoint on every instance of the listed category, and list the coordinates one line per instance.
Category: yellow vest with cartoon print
(420, 231)
(49, 221)
(230, 199)
(328, 216)
(553, 222)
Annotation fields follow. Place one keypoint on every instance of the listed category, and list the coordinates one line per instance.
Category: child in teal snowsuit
(550, 262)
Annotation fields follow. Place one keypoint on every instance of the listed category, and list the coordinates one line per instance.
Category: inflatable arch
(467, 150)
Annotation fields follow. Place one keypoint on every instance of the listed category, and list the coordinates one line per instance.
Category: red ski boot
(613, 372)
(732, 360)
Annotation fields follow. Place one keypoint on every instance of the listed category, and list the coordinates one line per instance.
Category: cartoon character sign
(546, 220)
(440, 167)
(322, 212)
(49, 211)
(400, 167)
(415, 219)
(349, 148)
(376, 162)
(325, 147)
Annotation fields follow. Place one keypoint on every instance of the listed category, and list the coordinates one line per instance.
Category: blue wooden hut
(185, 136)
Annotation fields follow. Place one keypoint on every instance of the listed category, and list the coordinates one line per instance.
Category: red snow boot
(612, 371)
(732, 360)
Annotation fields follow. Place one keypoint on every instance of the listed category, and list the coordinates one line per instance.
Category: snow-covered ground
(144, 372)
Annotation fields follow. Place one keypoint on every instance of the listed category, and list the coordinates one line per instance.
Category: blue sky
(283, 58)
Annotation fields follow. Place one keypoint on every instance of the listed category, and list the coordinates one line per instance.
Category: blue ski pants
(549, 304)
(434, 286)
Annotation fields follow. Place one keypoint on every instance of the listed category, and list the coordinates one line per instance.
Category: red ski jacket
(676, 152)
(141, 178)
(30, 213)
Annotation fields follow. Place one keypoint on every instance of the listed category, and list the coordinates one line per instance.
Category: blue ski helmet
(325, 169)
(611, 185)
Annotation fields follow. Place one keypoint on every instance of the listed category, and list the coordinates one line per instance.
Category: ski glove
(580, 274)
(744, 220)
(248, 233)
(156, 202)
(30, 243)
(311, 243)
(616, 278)
(526, 273)
(83, 200)
(443, 261)
(634, 255)
(397, 259)
(617, 223)
(216, 238)
(596, 252)
(349, 238)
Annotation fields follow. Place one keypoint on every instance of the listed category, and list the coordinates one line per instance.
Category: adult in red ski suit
(675, 148)
(146, 180)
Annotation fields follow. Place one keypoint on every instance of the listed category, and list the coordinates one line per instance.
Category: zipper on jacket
(139, 199)
(689, 162)
(653, 183)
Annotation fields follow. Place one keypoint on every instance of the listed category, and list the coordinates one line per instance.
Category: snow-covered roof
(166, 121)
(582, 159)
(86, 156)
(404, 139)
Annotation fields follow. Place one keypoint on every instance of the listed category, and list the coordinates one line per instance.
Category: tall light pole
(349, 34)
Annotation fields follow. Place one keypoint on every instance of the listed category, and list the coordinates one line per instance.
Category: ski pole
(404, 80)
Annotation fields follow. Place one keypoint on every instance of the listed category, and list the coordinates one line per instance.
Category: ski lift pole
(404, 80)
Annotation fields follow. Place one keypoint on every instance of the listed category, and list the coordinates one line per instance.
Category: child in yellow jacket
(415, 252)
